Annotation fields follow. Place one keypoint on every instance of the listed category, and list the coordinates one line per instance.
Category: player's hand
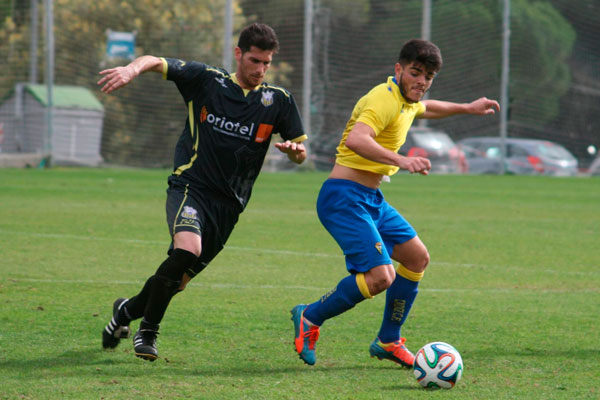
(483, 106)
(115, 78)
(295, 151)
(413, 165)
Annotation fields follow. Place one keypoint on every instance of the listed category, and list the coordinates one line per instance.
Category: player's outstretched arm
(115, 78)
(361, 141)
(441, 109)
(296, 152)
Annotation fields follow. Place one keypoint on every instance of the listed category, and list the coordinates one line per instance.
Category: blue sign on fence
(120, 44)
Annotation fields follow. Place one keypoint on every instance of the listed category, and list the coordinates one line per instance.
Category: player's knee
(424, 261)
(174, 267)
(380, 278)
(418, 262)
(380, 285)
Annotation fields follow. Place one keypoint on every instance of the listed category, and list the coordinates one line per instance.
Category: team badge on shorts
(379, 247)
(189, 212)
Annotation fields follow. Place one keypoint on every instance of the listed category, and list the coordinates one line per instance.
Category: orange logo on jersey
(203, 114)
(263, 133)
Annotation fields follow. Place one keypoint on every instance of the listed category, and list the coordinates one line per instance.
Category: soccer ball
(438, 365)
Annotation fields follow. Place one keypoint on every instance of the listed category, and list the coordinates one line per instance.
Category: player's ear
(238, 54)
(398, 68)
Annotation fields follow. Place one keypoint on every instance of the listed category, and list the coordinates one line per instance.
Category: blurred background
(332, 52)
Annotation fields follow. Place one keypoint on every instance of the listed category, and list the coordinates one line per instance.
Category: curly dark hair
(423, 52)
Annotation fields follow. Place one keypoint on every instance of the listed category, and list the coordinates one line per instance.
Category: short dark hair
(423, 52)
(258, 35)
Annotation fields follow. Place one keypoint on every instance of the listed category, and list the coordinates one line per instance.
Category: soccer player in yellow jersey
(352, 208)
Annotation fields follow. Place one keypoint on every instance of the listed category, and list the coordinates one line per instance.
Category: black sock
(136, 305)
(145, 325)
(166, 283)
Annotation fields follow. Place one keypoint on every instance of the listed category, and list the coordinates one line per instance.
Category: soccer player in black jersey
(231, 118)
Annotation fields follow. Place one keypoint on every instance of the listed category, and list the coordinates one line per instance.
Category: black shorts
(209, 215)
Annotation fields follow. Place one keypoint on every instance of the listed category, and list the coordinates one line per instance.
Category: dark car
(594, 168)
(523, 156)
(437, 146)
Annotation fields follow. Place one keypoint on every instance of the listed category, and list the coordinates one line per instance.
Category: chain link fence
(554, 88)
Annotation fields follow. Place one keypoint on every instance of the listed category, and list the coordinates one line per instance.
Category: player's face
(252, 66)
(414, 80)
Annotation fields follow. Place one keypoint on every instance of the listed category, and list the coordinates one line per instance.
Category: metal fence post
(504, 82)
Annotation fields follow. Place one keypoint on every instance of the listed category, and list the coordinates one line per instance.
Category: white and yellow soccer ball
(438, 365)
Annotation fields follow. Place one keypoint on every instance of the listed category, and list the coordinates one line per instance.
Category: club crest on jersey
(379, 247)
(189, 212)
(267, 98)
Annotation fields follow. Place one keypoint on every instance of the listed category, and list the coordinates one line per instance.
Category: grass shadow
(68, 359)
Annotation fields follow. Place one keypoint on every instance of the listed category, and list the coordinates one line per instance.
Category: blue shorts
(364, 225)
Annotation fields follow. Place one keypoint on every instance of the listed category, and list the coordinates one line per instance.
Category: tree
(579, 124)
(541, 46)
(142, 121)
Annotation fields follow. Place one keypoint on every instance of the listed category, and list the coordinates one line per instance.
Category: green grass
(513, 284)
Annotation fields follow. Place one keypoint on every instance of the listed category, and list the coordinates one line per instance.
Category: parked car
(479, 162)
(594, 168)
(437, 146)
(523, 156)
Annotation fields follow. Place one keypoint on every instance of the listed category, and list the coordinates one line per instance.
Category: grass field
(513, 284)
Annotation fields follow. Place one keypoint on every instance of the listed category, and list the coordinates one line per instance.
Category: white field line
(594, 273)
(486, 291)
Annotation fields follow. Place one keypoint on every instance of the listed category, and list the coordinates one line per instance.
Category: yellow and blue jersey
(228, 129)
(386, 111)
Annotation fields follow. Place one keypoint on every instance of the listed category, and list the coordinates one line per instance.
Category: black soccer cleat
(113, 332)
(144, 344)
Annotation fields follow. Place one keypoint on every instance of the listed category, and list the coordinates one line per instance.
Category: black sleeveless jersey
(227, 132)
